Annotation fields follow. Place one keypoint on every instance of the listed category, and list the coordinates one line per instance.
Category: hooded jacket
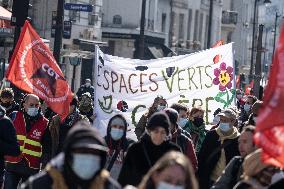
(136, 163)
(117, 149)
(59, 174)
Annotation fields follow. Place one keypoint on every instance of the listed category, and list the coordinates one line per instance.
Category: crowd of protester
(175, 147)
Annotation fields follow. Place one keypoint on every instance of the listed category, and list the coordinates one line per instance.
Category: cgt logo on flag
(34, 70)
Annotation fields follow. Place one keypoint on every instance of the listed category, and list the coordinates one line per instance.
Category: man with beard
(86, 106)
(34, 140)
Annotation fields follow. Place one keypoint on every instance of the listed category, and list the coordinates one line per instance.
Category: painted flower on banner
(223, 77)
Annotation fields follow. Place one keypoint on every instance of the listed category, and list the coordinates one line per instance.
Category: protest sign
(129, 86)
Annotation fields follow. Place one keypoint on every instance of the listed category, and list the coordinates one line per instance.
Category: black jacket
(136, 165)
(43, 180)
(8, 141)
(210, 153)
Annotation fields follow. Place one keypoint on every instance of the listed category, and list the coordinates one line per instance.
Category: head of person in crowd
(73, 104)
(117, 128)
(250, 100)
(172, 171)
(245, 141)
(88, 83)
(31, 105)
(196, 115)
(256, 173)
(158, 128)
(227, 121)
(173, 117)
(86, 102)
(182, 114)
(85, 153)
(254, 112)
(7, 97)
(239, 94)
(160, 103)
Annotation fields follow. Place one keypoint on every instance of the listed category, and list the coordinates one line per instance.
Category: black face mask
(6, 104)
(198, 121)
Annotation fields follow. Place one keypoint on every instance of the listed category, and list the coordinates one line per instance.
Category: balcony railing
(229, 17)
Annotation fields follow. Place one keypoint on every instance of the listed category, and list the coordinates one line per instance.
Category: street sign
(78, 7)
(67, 27)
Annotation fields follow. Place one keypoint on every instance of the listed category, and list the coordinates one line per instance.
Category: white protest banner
(129, 86)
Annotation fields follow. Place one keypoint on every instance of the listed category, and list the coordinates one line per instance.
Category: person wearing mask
(8, 141)
(79, 165)
(218, 148)
(7, 101)
(179, 138)
(159, 104)
(239, 98)
(117, 143)
(232, 173)
(254, 113)
(35, 144)
(60, 129)
(86, 88)
(86, 106)
(256, 174)
(142, 155)
(182, 117)
(246, 111)
(196, 127)
(172, 171)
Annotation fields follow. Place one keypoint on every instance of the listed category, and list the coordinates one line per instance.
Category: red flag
(270, 122)
(34, 70)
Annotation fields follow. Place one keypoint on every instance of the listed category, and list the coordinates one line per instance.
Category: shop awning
(5, 14)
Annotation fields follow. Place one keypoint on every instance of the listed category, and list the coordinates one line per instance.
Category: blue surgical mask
(225, 127)
(32, 112)
(247, 107)
(160, 108)
(85, 166)
(116, 134)
(182, 122)
(165, 185)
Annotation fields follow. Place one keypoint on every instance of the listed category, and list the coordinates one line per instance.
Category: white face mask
(32, 112)
(247, 107)
(159, 108)
(239, 96)
(182, 122)
(165, 185)
(85, 166)
(88, 84)
(225, 127)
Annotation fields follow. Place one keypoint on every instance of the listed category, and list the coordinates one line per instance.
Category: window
(181, 26)
(117, 20)
(164, 18)
(73, 15)
(196, 25)
(93, 19)
(189, 24)
(200, 27)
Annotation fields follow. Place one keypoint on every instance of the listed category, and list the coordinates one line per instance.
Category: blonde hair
(170, 159)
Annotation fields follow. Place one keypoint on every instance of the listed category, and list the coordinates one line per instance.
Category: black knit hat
(173, 115)
(159, 119)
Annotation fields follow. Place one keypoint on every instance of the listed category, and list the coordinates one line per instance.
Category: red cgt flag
(270, 123)
(34, 70)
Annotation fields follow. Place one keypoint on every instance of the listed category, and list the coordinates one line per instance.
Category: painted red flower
(223, 77)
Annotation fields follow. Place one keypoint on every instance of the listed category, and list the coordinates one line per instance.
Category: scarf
(72, 118)
(199, 131)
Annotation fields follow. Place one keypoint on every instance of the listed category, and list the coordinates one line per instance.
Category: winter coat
(54, 178)
(186, 146)
(140, 157)
(210, 154)
(140, 128)
(59, 132)
(8, 142)
(231, 175)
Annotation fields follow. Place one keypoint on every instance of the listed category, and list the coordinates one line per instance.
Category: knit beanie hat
(172, 114)
(159, 119)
